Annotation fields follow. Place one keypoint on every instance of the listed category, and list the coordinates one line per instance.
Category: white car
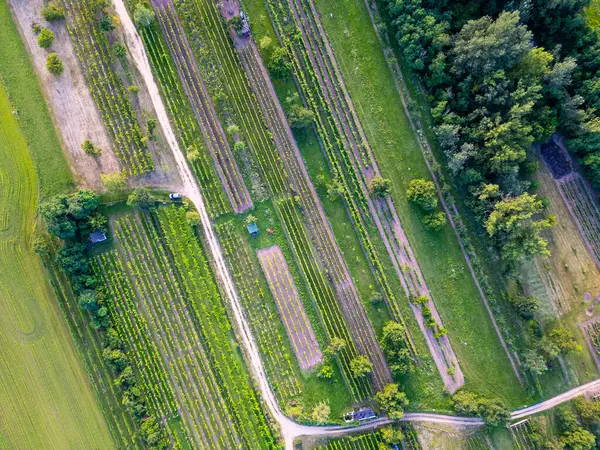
(175, 196)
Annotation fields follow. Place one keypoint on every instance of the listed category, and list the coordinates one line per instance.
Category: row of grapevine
(209, 311)
(370, 441)
(182, 116)
(89, 344)
(314, 215)
(262, 315)
(241, 97)
(519, 433)
(107, 89)
(290, 307)
(584, 210)
(411, 440)
(591, 331)
(173, 343)
(353, 164)
(203, 108)
(322, 292)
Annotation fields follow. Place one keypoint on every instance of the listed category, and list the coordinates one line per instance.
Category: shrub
(142, 198)
(435, 221)
(321, 412)
(54, 64)
(52, 12)
(90, 149)
(193, 218)
(143, 16)
(113, 181)
(107, 23)
(361, 366)
(119, 50)
(376, 298)
(37, 28)
(423, 193)
(134, 89)
(192, 155)
(232, 130)
(278, 64)
(45, 38)
(239, 146)
(380, 187)
(392, 401)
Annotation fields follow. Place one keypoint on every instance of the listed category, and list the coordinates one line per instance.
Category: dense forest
(502, 75)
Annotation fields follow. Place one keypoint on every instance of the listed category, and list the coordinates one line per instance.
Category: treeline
(71, 219)
(500, 76)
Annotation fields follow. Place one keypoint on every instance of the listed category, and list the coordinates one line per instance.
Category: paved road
(289, 429)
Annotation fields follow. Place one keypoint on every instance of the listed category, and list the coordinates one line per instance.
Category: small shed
(97, 236)
(252, 229)
(364, 414)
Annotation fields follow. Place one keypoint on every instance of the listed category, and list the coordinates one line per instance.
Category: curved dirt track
(289, 429)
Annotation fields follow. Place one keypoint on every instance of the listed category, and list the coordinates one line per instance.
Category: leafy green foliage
(141, 198)
(361, 366)
(380, 187)
(54, 64)
(423, 193)
(392, 401)
(52, 12)
(45, 38)
(393, 344)
(493, 411)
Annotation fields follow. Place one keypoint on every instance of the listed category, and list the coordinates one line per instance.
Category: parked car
(175, 196)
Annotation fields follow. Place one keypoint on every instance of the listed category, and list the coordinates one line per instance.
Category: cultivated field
(290, 307)
(45, 397)
(520, 435)
(169, 312)
(108, 91)
(591, 331)
(204, 110)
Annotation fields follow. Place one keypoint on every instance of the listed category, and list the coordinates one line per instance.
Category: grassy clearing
(21, 83)
(45, 398)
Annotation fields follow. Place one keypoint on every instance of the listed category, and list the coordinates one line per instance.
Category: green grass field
(51, 169)
(371, 86)
(45, 398)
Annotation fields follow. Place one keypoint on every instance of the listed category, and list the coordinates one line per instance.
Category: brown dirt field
(73, 110)
(571, 271)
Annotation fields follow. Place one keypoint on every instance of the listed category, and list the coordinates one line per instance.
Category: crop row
(203, 108)
(322, 292)
(182, 116)
(202, 18)
(290, 307)
(203, 11)
(520, 438)
(258, 306)
(371, 441)
(89, 344)
(353, 164)
(179, 341)
(107, 89)
(211, 316)
(411, 440)
(593, 331)
(584, 211)
(313, 213)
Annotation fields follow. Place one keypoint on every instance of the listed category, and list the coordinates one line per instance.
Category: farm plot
(290, 307)
(411, 440)
(519, 432)
(204, 110)
(591, 332)
(168, 311)
(183, 118)
(584, 210)
(107, 89)
(89, 344)
(352, 162)
(276, 352)
(205, 12)
(370, 441)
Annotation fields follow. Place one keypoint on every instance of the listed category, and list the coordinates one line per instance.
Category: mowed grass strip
(45, 397)
(50, 167)
(378, 105)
